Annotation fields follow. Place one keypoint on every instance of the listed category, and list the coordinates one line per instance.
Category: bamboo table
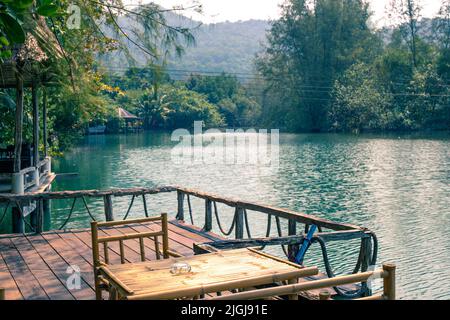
(210, 273)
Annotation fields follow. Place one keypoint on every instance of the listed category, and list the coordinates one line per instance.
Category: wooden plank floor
(37, 267)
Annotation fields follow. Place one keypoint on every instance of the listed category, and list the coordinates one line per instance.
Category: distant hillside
(226, 46)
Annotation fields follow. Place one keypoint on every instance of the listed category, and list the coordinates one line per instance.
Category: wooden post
(239, 223)
(18, 222)
(17, 177)
(46, 210)
(19, 123)
(37, 217)
(208, 215)
(180, 211)
(365, 261)
(324, 295)
(2, 294)
(35, 105)
(44, 122)
(165, 228)
(292, 230)
(109, 213)
(389, 281)
(96, 259)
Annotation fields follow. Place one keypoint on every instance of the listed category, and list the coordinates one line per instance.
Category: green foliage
(230, 96)
(308, 48)
(12, 17)
(360, 101)
(325, 69)
(176, 107)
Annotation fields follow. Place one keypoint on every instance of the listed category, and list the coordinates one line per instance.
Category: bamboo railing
(387, 274)
(329, 231)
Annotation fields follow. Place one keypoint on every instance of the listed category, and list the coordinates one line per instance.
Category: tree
(442, 25)
(406, 14)
(230, 96)
(360, 102)
(308, 48)
(177, 107)
(13, 15)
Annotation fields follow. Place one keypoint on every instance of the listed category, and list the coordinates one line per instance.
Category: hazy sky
(233, 10)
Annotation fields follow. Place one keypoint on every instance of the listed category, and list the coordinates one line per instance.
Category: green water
(398, 186)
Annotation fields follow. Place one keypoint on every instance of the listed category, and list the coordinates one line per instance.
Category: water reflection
(396, 186)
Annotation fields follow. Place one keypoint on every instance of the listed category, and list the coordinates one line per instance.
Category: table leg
(113, 295)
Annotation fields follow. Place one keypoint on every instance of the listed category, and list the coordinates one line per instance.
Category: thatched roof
(124, 114)
(31, 57)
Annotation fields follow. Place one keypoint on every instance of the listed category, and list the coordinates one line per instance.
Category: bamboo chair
(100, 283)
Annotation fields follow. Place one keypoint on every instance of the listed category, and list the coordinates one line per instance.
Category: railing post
(208, 215)
(36, 177)
(239, 223)
(18, 222)
(292, 231)
(37, 217)
(389, 281)
(180, 211)
(18, 186)
(109, 213)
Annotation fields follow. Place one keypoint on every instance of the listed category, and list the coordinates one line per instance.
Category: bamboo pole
(389, 281)
(96, 258)
(165, 235)
(296, 288)
(127, 222)
(130, 236)
(224, 286)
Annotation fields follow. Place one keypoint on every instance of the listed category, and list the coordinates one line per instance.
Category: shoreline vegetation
(323, 68)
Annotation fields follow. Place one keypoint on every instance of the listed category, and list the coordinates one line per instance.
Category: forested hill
(226, 46)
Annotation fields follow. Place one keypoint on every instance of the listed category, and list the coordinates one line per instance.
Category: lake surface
(397, 186)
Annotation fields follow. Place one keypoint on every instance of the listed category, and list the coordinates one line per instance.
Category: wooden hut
(132, 122)
(22, 167)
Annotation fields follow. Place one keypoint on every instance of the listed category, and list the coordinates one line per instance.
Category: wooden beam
(85, 193)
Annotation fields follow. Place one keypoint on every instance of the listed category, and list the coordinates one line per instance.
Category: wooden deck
(37, 267)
